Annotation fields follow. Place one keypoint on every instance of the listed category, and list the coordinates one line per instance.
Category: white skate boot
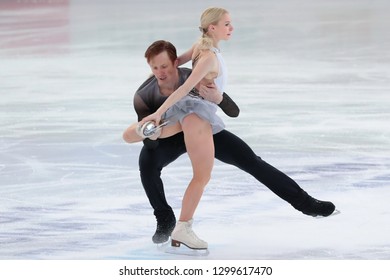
(183, 234)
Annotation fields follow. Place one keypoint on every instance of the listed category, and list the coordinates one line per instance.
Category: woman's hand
(148, 128)
(155, 117)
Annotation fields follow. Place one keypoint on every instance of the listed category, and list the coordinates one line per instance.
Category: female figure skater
(197, 117)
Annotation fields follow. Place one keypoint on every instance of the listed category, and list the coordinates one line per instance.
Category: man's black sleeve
(228, 106)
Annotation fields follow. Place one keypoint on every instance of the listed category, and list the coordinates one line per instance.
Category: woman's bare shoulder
(201, 54)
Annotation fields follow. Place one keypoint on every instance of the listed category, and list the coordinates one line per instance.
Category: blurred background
(311, 78)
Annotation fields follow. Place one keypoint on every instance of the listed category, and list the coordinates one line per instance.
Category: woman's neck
(215, 43)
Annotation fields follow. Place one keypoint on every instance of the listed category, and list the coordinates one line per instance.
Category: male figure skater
(230, 149)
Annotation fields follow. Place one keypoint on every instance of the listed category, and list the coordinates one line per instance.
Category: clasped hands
(148, 128)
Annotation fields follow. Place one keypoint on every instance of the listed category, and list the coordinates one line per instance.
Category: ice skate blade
(176, 243)
(186, 251)
(335, 212)
(163, 246)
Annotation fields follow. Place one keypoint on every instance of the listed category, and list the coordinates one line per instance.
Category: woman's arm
(206, 64)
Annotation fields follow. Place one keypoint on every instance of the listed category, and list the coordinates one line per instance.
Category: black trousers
(229, 149)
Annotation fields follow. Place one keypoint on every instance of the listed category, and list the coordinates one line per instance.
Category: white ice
(312, 79)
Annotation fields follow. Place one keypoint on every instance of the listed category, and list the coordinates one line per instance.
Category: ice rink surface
(312, 79)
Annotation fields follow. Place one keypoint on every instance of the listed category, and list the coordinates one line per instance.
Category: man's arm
(185, 57)
(228, 106)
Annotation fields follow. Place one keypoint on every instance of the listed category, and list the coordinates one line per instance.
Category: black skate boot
(166, 222)
(314, 207)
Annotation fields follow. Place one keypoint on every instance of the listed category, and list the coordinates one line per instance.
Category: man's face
(164, 70)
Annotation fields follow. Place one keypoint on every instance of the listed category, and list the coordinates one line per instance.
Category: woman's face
(223, 29)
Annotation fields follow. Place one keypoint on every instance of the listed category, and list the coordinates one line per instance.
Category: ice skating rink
(312, 79)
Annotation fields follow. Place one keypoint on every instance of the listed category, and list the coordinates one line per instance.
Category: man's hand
(210, 93)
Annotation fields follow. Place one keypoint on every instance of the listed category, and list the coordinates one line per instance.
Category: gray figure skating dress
(193, 103)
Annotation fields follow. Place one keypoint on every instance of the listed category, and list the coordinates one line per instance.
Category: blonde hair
(210, 16)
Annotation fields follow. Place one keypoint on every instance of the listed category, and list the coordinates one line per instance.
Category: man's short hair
(160, 46)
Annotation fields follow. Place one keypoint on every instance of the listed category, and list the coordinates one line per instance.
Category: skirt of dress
(194, 104)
